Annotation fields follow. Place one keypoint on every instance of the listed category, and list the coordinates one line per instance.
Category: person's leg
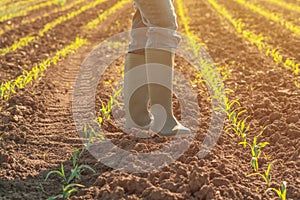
(138, 34)
(136, 102)
(160, 18)
(160, 64)
(158, 14)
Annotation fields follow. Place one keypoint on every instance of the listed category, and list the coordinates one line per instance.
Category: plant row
(234, 112)
(33, 19)
(25, 11)
(16, 6)
(258, 40)
(26, 40)
(10, 87)
(271, 16)
(289, 6)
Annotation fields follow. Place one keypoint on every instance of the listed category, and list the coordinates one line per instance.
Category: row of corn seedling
(289, 6)
(68, 185)
(33, 19)
(235, 113)
(10, 87)
(24, 41)
(25, 11)
(271, 16)
(258, 40)
(94, 23)
(69, 180)
(255, 146)
(16, 6)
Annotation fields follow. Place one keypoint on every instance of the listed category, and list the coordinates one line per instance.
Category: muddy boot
(160, 65)
(136, 100)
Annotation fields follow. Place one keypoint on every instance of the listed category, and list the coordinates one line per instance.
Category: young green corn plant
(67, 191)
(266, 176)
(106, 109)
(239, 126)
(60, 173)
(75, 171)
(255, 150)
(281, 193)
(90, 133)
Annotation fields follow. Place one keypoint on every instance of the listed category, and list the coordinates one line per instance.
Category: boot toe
(178, 131)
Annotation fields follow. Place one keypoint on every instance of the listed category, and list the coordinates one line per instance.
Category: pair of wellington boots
(153, 70)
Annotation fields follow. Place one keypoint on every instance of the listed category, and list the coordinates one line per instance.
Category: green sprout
(281, 193)
(266, 176)
(67, 191)
(75, 172)
(90, 133)
(60, 173)
(106, 109)
(68, 188)
(255, 150)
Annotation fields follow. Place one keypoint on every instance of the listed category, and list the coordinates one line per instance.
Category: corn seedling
(237, 125)
(60, 173)
(67, 191)
(257, 39)
(68, 188)
(106, 109)
(76, 171)
(266, 176)
(255, 150)
(91, 135)
(281, 193)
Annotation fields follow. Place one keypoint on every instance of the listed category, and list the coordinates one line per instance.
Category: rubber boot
(136, 100)
(160, 65)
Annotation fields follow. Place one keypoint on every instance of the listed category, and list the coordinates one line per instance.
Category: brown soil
(283, 39)
(37, 132)
(288, 14)
(14, 63)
